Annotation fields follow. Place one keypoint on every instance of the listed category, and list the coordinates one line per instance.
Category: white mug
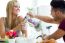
(11, 40)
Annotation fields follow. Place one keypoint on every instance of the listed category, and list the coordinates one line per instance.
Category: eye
(17, 6)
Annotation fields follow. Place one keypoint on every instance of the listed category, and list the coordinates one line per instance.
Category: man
(58, 14)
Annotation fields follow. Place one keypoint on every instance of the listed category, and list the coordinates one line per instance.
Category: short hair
(58, 5)
(57, 0)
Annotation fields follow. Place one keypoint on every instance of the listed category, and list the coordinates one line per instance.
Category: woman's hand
(24, 29)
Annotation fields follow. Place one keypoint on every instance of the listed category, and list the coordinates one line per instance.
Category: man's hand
(31, 15)
(48, 41)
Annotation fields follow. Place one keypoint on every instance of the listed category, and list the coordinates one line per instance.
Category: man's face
(56, 13)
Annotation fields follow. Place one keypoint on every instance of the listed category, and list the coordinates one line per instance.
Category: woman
(58, 14)
(12, 21)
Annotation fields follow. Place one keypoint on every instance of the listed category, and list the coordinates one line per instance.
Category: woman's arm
(2, 28)
(20, 22)
(21, 26)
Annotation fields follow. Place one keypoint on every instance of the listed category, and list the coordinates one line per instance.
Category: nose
(18, 8)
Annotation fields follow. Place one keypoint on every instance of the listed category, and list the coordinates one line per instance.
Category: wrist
(35, 16)
(45, 37)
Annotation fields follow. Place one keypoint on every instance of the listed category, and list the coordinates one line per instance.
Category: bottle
(6, 41)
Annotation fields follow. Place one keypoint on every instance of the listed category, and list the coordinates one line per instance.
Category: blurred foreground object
(11, 34)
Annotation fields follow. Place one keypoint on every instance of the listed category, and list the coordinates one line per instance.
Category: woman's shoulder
(3, 19)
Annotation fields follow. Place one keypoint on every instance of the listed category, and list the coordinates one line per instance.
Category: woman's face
(16, 8)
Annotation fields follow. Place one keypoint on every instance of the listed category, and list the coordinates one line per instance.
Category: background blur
(38, 6)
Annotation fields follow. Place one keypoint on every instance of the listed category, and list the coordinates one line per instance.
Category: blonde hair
(9, 10)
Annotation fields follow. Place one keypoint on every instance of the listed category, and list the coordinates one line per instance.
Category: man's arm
(56, 35)
(43, 18)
